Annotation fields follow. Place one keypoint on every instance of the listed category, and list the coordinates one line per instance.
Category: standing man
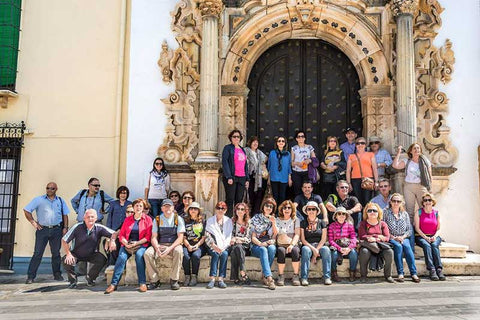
(343, 199)
(51, 225)
(307, 195)
(167, 239)
(383, 158)
(91, 198)
(383, 198)
(348, 147)
(86, 236)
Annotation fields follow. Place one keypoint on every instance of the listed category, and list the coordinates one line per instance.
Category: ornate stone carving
(181, 66)
(210, 7)
(404, 6)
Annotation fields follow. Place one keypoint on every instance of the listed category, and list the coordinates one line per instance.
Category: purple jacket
(313, 174)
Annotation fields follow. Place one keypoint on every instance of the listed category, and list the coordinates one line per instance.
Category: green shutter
(9, 34)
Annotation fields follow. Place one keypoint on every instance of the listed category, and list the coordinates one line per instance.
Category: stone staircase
(455, 258)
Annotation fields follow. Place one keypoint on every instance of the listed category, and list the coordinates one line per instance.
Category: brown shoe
(335, 277)
(352, 275)
(142, 288)
(110, 289)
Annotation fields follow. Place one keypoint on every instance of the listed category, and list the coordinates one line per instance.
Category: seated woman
(240, 243)
(134, 236)
(287, 241)
(193, 248)
(398, 222)
(343, 241)
(264, 231)
(427, 226)
(187, 198)
(116, 214)
(313, 233)
(219, 234)
(374, 235)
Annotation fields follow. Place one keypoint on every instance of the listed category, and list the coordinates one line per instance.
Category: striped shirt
(398, 227)
(337, 231)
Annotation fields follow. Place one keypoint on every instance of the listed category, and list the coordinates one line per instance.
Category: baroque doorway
(305, 85)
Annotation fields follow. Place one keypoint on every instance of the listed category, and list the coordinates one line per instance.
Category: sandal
(246, 280)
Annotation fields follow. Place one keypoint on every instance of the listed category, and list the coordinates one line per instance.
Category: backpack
(102, 196)
(175, 220)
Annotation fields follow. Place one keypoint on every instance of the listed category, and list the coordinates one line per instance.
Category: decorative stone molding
(400, 7)
(210, 7)
(5, 95)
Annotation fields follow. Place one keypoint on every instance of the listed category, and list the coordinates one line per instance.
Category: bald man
(50, 225)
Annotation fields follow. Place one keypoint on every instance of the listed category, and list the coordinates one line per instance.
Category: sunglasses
(343, 187)
(221, 208)
(332, 140)
(187, 197)
(301, 136)
(241, 209)
(174, 196)
(287, 208)
(361, 143)
(312, 209)
(158, 163)
(427, 200)
(48, 188)
(372, 210)
(95, 185)
(384, 186)
(130, 211)
(237, 137)
(341, 214)
(281, 141)
(396, 201)
(269, 206)
(375, 142)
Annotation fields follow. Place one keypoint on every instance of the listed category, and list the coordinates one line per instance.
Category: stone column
(406, 95)
(209, 81)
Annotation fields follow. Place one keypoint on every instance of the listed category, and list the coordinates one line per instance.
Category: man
(306, 196)
(91, 198)
(50, 226)
(348, 147)
(167, 238)
(383, 158)
(383, 198)
(343, 199)
(86, 237)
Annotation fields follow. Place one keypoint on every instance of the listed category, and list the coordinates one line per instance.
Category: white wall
(150, 26)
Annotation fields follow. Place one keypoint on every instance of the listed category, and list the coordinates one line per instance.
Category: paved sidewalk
(456, 298)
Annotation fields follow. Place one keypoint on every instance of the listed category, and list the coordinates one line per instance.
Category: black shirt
(313, 234)
(85, 243)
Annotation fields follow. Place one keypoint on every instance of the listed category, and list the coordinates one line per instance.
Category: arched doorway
(302, 84)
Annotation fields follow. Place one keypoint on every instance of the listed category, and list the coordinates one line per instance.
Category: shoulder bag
(367, 183)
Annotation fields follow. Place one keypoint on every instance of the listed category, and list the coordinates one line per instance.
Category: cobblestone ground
(456, 298)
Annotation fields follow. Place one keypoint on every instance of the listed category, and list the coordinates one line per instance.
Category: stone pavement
(456, 298)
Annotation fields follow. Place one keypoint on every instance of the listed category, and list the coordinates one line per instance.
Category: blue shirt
(116, 214)
(348, 149)
(49, 212)
(382, 156)
(81, 205)
(272, 166)
(378, 199)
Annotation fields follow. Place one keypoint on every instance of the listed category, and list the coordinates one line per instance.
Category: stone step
(470, 265)
(447, 250)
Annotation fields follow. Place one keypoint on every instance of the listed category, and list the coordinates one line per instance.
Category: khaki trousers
(152, 263)
(413, 193)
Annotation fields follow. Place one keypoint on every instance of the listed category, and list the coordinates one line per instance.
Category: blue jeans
(352, 257)
(156, 205)
(123, 256)
(266, 256)
(431, 253)
(412, 238)
(398, 250)
(223, 257)
(306, 257)
(52, 236)
(193, 259)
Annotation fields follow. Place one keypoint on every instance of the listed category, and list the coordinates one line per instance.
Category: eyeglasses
(174, 196)
(312, 209)
(281, 141)
(221, 208)
(235, 136)
(95, 185)
(343, 187)
(427, 200)
(361, 143)
(268, 205)
(383, 186)
(50, 188)
(287, 208)
(300, 136)
(332, 140)
(130, 211)
(187, 197)
(396, 201)
(372, 210)
(341, 214)
(375, 142)
(158, 163)
(241, 209)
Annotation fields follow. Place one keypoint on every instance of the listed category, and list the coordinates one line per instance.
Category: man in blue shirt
(51, 225)
(383, 198)
(91, 198)
(383, 158)
(348, 147)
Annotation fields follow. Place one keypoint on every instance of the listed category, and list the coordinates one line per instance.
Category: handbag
(372, 246)
(265, 173)
(367, 183)
(384, 245)
(132, 250)
(283, 240)
(343, 242)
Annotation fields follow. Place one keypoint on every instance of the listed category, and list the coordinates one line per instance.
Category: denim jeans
(156, 205)
(431, 252)
(123, 256)
(223, 257)
(398, 250)
(52, 236)
(306, 257)
(192, 259)
(266, 256)
(352, 257)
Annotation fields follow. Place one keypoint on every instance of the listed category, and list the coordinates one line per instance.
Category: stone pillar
(209, 81)
(406, 95)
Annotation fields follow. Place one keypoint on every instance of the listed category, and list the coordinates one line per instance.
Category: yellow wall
(68, 70)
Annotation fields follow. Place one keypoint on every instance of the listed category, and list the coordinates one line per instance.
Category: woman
(256, 160)
(418, 178)
(279, 169)
(116, 214)
(175, 197)
(240, 243)
(343, 241)
(301, 157)
(193, 248)
(235, 170)
(287, 241)
(129, 211)
(187, 198)
(362, 164)
(157, 186)
(427, 226)
(134, 236)
(332, 164)
(219, 234)
(374, 235)
(313, 233)
(399, 226)
(264, 231)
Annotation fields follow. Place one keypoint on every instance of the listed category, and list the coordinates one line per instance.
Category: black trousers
(237, 260)
(298, 177)
(52, 236)
(364, 258)
(282, 254)
(256, 197)
(234, 192)
(364, 196)
(279, 191)
(97, 261)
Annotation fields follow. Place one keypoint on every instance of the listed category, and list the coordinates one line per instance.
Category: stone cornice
(400, 7)
(210, 7)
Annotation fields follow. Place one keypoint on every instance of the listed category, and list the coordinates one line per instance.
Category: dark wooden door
(305, 85)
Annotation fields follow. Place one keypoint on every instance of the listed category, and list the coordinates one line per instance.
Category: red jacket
(144, 229)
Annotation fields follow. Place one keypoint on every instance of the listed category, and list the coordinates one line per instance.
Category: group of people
(351, 223)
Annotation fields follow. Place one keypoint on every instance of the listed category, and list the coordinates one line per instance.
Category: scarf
(425, 177)
(159, 176)
(222, 239)
(280, 154)
(256, 161)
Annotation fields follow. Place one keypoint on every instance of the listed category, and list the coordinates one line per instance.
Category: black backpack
(102, 196)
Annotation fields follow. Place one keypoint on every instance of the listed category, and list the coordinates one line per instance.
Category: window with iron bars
(10, 11)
